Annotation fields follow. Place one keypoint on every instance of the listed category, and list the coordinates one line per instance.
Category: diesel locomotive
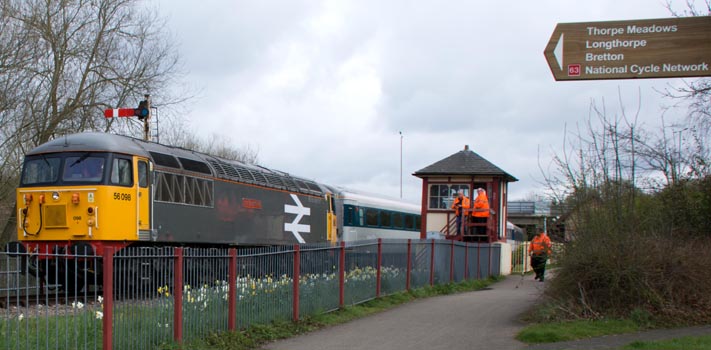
(81, 193)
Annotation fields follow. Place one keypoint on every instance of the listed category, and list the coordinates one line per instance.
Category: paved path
(486, 319)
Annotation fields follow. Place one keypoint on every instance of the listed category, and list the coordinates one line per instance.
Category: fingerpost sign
(649, 48)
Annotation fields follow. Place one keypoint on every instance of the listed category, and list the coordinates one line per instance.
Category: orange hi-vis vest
(481, 206)
(465, 204)
(540, 244)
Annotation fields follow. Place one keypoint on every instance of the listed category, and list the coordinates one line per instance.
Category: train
(82, 193)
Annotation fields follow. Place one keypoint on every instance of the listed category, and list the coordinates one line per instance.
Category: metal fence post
(297, 277)
(489, 275)
(478, 261)
(432, 256)
(342, 275)
(178, 296)
(409, 264)
(378, 274)
(451, 262)
(107, 321)
(232, 303)
(466, 261)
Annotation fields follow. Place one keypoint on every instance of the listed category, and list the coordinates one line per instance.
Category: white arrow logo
(558, 52)
(295, 227)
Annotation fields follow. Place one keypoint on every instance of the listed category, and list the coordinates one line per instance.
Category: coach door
(144, 198)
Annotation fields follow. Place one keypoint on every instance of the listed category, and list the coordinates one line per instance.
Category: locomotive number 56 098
(122, 196)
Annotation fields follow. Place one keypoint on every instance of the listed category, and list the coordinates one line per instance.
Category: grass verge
(258, 335)
(684, 343)
(572, 330)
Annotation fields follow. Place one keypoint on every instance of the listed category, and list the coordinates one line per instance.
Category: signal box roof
(465, 162)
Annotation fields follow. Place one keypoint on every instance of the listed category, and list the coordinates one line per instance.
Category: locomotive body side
(151, 194)
(242, 214)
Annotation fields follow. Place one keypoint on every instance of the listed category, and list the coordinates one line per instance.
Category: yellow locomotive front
(65, 198)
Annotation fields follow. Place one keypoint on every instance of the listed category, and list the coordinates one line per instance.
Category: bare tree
(697, 91)
(63, 62)
(83, 56)
(215, 145)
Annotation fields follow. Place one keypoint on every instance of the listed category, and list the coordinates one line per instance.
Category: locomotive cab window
(41, 170)
(142, 174)
(121, 172)
(84, 168)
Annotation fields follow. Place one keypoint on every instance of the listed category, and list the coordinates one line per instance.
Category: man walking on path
(540, 250)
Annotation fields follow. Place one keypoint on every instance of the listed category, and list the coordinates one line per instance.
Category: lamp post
(678, 151)
(400, 164)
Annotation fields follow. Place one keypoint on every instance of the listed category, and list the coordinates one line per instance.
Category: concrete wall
(505, 262)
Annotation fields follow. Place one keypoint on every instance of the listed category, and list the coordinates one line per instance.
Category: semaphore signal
(143, 112)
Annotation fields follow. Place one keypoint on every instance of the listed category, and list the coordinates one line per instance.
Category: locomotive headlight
(55, 196)
(90, 222)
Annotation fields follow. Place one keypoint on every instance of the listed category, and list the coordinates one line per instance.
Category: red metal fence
(142, 298)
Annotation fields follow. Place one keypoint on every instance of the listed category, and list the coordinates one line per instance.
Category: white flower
(77, 305)
(21, 317)
(100, 299)
(99, 315)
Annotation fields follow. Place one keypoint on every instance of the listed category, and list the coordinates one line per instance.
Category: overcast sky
(322, 88)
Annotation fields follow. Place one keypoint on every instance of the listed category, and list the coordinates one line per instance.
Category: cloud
(323, 88)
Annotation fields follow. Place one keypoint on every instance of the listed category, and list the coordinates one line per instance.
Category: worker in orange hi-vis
(540, 250)
(480, 212)
(460, 203)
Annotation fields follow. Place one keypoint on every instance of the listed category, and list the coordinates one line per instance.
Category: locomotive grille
(55, 216)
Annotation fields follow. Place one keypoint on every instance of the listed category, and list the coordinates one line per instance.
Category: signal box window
(121, 172)
(441, 196)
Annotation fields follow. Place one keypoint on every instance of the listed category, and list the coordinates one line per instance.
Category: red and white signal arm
(119, 112)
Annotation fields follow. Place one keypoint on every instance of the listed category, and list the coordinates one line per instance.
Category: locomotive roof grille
(275, 180)
(269, 179)
(244, 173)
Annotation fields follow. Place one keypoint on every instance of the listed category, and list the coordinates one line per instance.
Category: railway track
(25, 300)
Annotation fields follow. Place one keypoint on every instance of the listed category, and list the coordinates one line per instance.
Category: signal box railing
(145, 298)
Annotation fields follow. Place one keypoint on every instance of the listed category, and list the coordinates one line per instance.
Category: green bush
(637, 255)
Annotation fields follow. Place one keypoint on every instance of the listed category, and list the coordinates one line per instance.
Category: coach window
(409, 221)
(142, 174)
(121, 172)
(397, 220)
(371, 217)
(349, 215)
(385, 218)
